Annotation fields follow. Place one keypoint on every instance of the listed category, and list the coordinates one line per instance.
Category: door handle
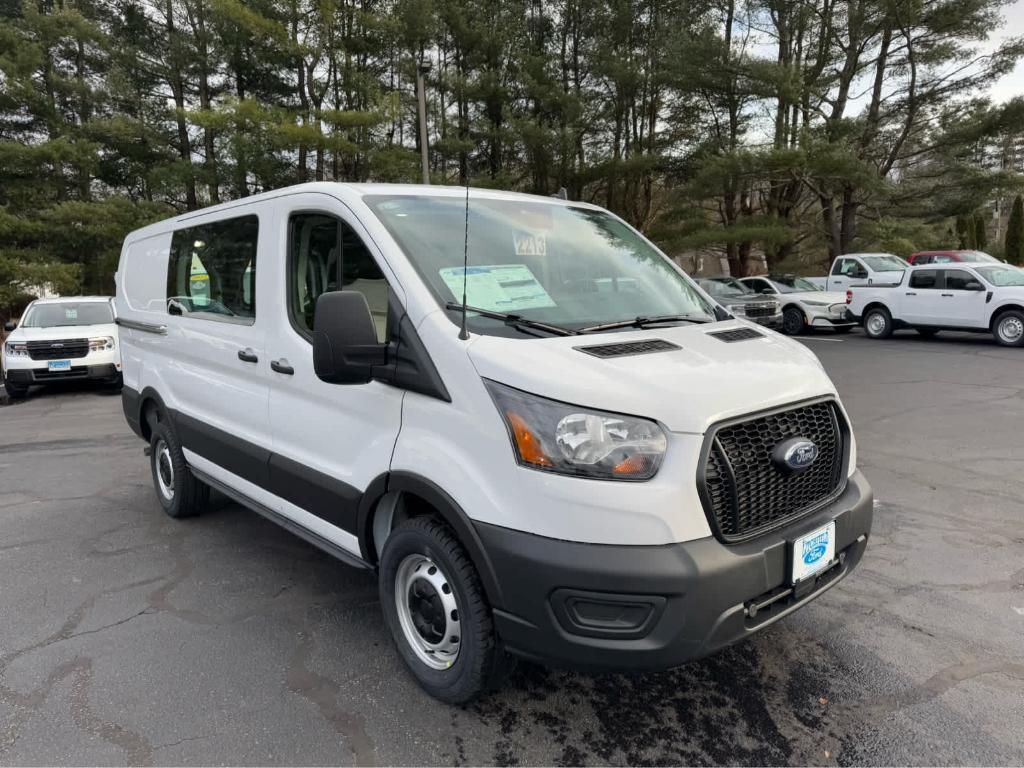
(247, 355)
(281, 366)
(911, 293)
(948, 295)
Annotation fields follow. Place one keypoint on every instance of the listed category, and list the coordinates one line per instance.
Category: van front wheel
(179, 492)
(437, 612)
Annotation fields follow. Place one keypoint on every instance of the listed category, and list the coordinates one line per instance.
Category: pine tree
(1015, 233)
(980, 233)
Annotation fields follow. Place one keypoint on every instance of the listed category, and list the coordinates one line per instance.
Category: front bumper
(29, 376)
(655, 607)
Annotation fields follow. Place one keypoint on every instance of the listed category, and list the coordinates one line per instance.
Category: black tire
(793, 323)
(409, 553)
(878, 323)
(187, 496)
(1008, 328)
(15, 391)
(928, 333)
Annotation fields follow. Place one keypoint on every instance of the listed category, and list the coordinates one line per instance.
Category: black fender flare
(447, 508)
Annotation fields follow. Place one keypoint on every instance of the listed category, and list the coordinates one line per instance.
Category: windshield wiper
(643, 322)
(515, 321)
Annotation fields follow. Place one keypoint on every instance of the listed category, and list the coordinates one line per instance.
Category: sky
(1012, 84)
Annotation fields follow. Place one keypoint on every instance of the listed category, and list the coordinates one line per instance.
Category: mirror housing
(345, 346)
(767, 292)
(973, 285)
(10, 325)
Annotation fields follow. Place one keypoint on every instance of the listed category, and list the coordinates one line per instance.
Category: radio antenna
(463, 332)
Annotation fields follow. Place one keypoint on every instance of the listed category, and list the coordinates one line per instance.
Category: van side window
(924, 278)
(325, 254)
(212, 270)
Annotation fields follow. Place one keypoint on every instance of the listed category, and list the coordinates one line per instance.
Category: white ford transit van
(595, 465)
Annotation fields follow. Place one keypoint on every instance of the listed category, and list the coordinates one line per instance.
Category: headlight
(556, 437)
(810, 303)
(100, 343)
(737, 309)
(16, 348)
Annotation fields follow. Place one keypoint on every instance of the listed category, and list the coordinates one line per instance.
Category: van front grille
(58, 349)
(744, 491)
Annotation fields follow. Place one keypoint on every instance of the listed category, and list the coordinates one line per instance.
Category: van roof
(341, 190)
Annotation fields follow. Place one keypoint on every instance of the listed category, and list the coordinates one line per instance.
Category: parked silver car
(742, 301)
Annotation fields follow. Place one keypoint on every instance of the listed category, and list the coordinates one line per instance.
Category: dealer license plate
(58, 365)
(814, 552)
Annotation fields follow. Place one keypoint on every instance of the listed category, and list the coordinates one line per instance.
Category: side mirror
(767, 291)
(345, 347)
(10, 325)
(973, 285)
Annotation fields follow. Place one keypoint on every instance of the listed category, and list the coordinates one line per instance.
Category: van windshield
(567, 266)
(68, 313)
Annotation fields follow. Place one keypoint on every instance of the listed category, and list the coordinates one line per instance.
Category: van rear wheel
(178, 491)
(437, 612)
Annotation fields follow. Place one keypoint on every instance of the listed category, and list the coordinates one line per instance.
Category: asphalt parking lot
(128, 637)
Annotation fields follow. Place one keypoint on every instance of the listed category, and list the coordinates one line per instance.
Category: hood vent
(737, 334)
(627, 348)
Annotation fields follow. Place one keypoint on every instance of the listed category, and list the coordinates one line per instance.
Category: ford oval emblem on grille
(58, 344)
(794, 455)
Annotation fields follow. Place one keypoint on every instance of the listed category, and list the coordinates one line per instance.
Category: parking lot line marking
(819, 338)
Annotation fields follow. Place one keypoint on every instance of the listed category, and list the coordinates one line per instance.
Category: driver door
(959, 306)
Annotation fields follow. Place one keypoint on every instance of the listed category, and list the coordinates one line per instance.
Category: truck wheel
(437, 613)
(1009, 328)
(793, 321)
(878, 323)
(179, 492)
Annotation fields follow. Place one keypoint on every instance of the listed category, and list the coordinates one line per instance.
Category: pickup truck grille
(745, 493)
(58, 349)
(761, 310)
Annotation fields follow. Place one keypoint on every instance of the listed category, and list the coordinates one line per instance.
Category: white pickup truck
(983, 298)
(864, 268)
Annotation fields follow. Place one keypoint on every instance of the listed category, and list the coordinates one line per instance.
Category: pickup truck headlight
(738, 309)
(100, 343)
(16, 348)
(556, 437)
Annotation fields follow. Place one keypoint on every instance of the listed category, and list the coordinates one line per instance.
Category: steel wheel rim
(428, 611)
(1011, 329)
(876, 323)
(164, 469)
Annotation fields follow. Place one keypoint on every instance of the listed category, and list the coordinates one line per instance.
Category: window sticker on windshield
(70, 314)
(502, 287)
(530, 245)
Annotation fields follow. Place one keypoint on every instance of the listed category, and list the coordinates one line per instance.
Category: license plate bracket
(813, 552)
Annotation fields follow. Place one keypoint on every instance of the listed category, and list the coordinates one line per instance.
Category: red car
(948, 257)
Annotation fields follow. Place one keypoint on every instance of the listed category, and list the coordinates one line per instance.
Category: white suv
(59, 340)
(547, 444)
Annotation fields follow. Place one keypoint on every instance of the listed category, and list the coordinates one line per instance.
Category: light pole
(422, 68)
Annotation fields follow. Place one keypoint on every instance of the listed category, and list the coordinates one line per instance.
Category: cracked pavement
(130, 638)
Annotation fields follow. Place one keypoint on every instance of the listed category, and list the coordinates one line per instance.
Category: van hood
(686, 389)
(56, 333)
